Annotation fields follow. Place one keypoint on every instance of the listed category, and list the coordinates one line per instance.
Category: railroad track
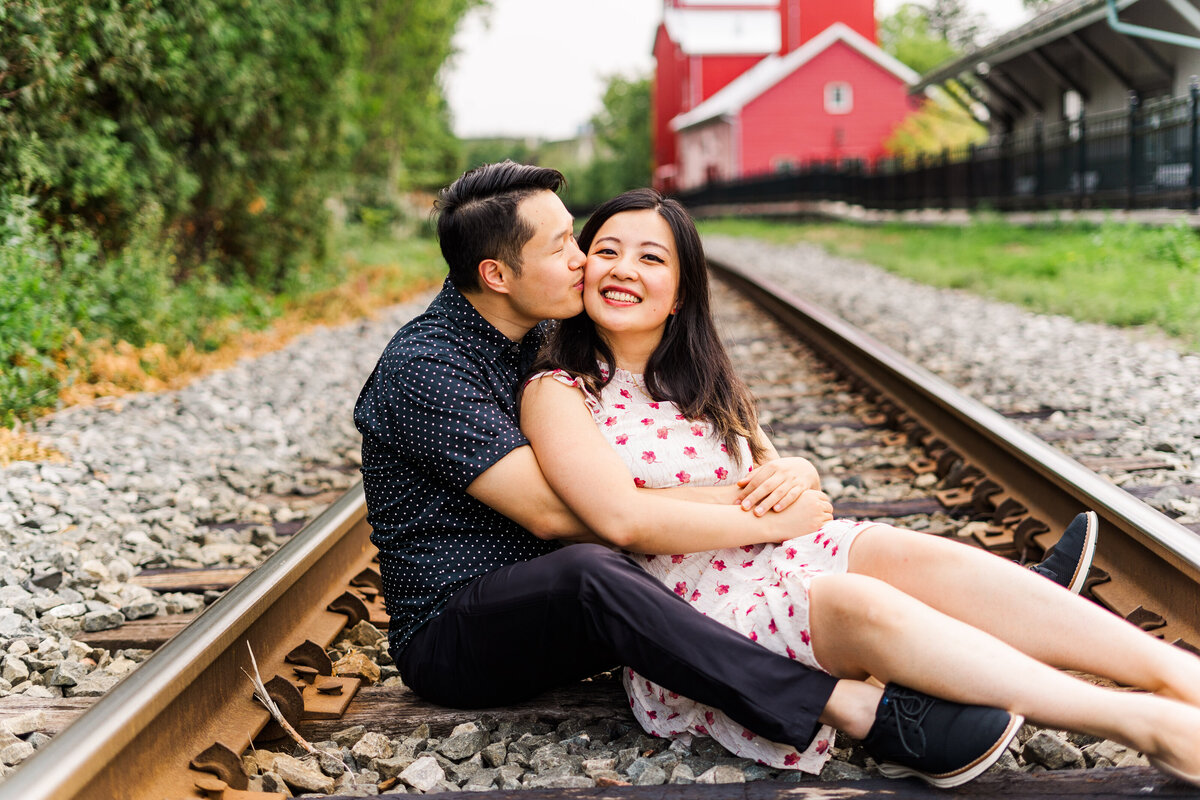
(178, 726)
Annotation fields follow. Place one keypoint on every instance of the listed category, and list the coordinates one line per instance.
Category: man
(488, 607)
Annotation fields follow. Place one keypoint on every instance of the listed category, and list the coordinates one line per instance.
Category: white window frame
(835, 104)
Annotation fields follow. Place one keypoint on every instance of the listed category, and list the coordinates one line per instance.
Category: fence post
(1081, 159)
(1194, 95)
(1039, 161)
(947, 189)
(970, 199)
(1131, 173)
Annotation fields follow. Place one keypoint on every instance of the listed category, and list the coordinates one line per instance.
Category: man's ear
(495, 275)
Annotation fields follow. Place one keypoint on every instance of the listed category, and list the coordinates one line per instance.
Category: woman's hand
(811, 511)
(777, 484)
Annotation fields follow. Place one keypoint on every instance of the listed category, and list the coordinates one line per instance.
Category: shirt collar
(481, 335)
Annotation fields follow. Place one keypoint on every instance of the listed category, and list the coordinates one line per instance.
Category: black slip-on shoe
(942, 743)
(1068, 561)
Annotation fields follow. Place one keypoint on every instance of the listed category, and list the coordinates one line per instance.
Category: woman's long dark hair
(689, 367)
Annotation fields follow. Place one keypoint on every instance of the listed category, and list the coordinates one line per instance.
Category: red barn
(751, 87)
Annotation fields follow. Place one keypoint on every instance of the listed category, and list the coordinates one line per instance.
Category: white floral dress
(761, 591)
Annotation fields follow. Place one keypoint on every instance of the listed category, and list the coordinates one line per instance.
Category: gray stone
(682, 773)
(68, 673)
(423, 774)
(272, 782)
(721, 774)
(331, 763)
(12, 624)
(481, 781)
(494, 754)
(15, 753)
(302, 775)
(1006, 763)
(94, 684)
(593, 765)
(560, 782)
(391, 767)
(1052, 752)
(464, 741)
(653, 775)
(348, 737)
(103, 620)
(843, 771)
(13, 669)
(67, 611)
(372, 745)
(26, 723)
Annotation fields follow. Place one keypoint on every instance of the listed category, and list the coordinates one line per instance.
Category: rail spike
(219, 760)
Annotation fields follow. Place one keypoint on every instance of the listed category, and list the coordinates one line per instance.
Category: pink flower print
(771, 626)
(725, 449)
(647, 421)
(721, 473)
(683, 476)
(748, 735)
(672, 695)
(649, 687)
(833, 552)
(751, 608)
(710, 718)
(746, 548)
(697, 430)
(759, 593)
(791, 758)
(791, 611)
(695, 595)
(639, 483)
(817, 538)
(753, 636)
(699, 728)
(648, 456)
(663, 432)
(718, 565)
(622, 439)
(790, 552)
(631, 702)
(791, 654)
(681, 588)
(652, 714)
(746, 564)
(680, 417)
(822, 746)
(625, 393)
(825, 543)
(723, 589)
(610, 422)
(648, 557)
(619, 405)
(653, 405)
(805, 637)
(675, 559)
(690, 452)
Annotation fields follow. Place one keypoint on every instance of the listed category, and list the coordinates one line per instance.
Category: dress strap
(562, 376)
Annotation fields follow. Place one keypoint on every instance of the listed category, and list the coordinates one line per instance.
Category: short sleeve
(443, 418)
(562, 376)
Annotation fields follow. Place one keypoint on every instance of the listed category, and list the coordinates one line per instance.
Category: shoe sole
(970, 772)
(1089, 551)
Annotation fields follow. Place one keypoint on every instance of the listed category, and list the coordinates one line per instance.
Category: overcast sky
(538, 67)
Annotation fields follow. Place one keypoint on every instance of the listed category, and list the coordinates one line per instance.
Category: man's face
(551, 282)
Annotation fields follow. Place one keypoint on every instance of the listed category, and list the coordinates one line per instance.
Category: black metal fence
(1145, 157)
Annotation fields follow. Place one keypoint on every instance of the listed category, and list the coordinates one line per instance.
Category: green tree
(624, 155)
(399, 121)
(906, 35)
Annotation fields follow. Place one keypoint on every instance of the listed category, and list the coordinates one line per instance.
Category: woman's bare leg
(1034, 615)
(861, 625)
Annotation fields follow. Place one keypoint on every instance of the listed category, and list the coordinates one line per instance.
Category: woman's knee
(857, 601)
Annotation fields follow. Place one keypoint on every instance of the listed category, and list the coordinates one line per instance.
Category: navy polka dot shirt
(438, 410)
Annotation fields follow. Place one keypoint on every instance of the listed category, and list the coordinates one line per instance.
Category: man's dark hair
(478, 219)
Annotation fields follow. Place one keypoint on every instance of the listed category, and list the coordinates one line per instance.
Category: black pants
(527, 627)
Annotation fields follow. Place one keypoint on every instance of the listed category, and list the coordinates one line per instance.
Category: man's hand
(777, 484)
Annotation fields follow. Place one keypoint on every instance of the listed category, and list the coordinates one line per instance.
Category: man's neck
(497, 310)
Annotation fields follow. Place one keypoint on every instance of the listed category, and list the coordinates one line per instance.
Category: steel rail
(1139, 547)
(137, 741)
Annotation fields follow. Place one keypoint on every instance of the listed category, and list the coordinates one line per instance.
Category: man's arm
(516, 488)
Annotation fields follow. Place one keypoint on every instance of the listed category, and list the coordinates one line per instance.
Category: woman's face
(631, 279)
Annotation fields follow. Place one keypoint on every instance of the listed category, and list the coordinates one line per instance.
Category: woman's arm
(589, 476)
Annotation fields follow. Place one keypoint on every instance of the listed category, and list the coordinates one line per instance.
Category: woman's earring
(675, 309)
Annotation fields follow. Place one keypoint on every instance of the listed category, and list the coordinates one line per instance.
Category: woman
(641, 383)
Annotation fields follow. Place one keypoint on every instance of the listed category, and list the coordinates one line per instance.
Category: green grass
(1120, 274)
